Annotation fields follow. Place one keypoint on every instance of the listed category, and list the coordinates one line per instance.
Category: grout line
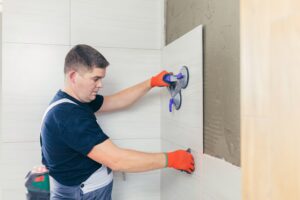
(67, 45)
(41, 44)
(133, 48)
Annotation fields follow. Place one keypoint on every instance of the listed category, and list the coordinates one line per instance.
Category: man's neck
(70, 92)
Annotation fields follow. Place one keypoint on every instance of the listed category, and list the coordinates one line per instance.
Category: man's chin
(89, 99)
(93, 97)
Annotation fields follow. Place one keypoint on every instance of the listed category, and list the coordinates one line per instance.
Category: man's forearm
(135, 161)
(130, 95)
(119, 159)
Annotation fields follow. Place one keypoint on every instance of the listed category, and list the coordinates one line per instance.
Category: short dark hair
(84, 56)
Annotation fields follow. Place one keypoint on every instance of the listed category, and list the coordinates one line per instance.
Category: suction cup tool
(177, 82)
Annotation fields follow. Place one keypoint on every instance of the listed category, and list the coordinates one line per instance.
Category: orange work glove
(158, 80)
(181, 160)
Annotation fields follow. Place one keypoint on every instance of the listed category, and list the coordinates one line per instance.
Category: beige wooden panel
(270, 62)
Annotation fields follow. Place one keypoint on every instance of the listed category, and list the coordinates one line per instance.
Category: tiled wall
(36, 37)
(213, 178)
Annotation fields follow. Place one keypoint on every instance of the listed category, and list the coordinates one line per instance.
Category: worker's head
(84, 70)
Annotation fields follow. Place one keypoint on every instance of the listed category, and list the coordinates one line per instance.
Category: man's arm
(125, 97)
(130, 95)
(126, 160)
(119, 159)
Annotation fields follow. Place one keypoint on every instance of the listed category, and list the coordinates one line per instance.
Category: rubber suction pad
(186, 76)
(177, 100)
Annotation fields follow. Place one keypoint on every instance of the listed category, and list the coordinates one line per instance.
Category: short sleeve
(82, 132)
(96, 104)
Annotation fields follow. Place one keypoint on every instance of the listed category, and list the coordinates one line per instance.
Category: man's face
(88, 83)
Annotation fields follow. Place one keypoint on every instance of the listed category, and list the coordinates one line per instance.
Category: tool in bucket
(177, 83)
(37, 184)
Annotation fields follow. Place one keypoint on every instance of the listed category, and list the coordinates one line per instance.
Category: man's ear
(72, 76)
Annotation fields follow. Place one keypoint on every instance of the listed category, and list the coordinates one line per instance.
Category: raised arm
(129, 96)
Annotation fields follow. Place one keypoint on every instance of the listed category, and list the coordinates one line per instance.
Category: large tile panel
(35, 21)
(127, 23)
(142, 186)
(138, 186)
(213, 179)
(185, 126)
(146, 145)
(31, 76)
(16, 160)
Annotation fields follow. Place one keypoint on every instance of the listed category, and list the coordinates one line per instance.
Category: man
(75, 150)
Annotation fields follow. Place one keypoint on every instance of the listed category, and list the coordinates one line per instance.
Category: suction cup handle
(179, 76)
(171, 104)
(167, 78)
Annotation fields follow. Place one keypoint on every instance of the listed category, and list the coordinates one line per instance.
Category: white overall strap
(64, 100)
(99, 179)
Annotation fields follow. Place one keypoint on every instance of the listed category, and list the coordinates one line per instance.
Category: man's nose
(99, 83)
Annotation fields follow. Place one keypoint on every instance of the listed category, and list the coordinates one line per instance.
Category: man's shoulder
(63, 112)
(67, 110)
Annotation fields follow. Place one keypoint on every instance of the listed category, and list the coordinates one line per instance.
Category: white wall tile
(147, 145)
(180, 186)
(185, 126)
(213, 179)
(127, 68)
(35, 21)
(31, 76)
(141, 186)
(17, 159)
(177, 185)
(13, 194)
(138, 186)
(127, 23)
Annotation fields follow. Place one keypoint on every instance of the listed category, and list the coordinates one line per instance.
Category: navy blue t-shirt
(68, 134)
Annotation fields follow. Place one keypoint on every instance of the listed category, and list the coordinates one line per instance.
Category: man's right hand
(181, 160)
(158, 80)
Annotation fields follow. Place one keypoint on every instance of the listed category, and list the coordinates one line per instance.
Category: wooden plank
(270, 44)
